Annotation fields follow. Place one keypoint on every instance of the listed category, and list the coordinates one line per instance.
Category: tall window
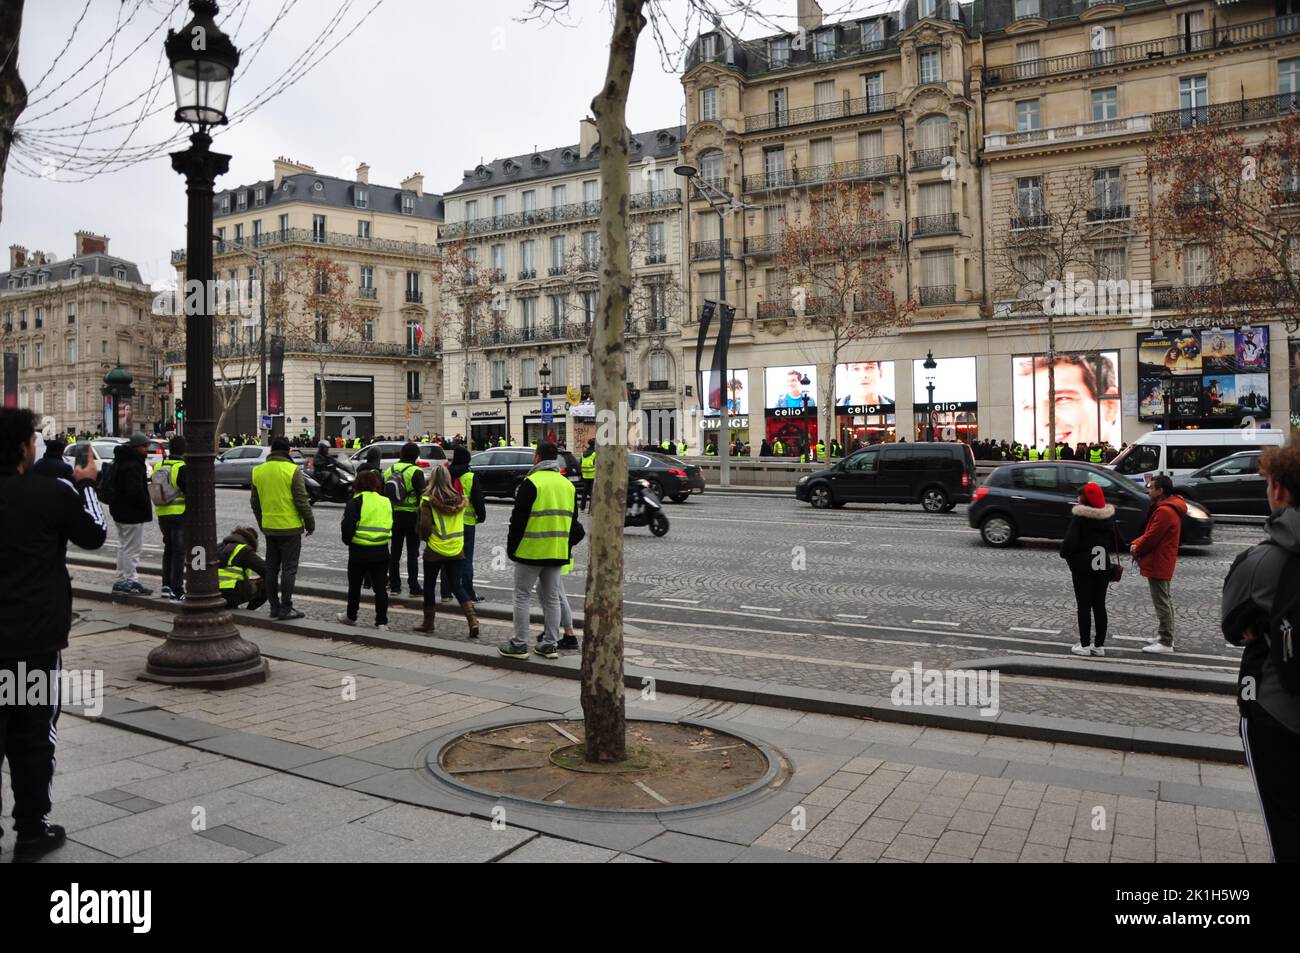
(709, 104)
(498, 375)
(322, 329)
(367, 278)
(528, 374)
(586, 370)
(1288, 84)
(412, 337)
(239, 233)
(1105, 104)
(1193, 98)
(559, 195)
(498, 207)
(557, 254)
(560, 372)
(555, 305)
(711, 167)
(1027, 57)
(413, 286)
(1032, 272)
(318, 228)
(821, 153)
(588, 307)
(1029, 200)
(871, 145)
(776, 104)
(709, 286)
(72, 351)
(659, 367)
(824, 99)
(591, 190)
(1198, 269)
(935, 199)
(936, 269)
(778, 52)
(71, 401)
(774, 166)
(1102, 42)
(412, 385)
(471, 376)
(1191, 27)
(528, 258)
(932, 132)
(1105, 188)
(1027, 115)
(471, 210)
(284, 223)
(929, 70)
(368, 330)
(499, 258)
(874, 90)
(40, 354)
(873, 35)
(528, 200)
(529, 308)
(257, 232)
(657, 248)
(590, 248)
(1110, 264)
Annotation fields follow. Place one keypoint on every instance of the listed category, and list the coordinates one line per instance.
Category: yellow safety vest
(778, 448)
(546, 535)
(228, 574)
(467, 486)
(447, 537)
(375, 527)
(589, 465)
(410, 501)
(1094, 455)
(273, 481)
(177, 506)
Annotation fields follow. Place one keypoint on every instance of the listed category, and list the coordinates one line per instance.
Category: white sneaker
(1080, 650)
(1156, 648)
(381, 628)
(343, 618)
(1098, 651)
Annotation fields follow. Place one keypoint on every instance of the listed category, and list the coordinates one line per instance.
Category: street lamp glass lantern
(686, 170)
(202, 59)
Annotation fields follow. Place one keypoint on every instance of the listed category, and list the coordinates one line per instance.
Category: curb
(1114, 673)
(1223, 749)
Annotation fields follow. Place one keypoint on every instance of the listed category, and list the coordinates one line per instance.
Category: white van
(1180, 452)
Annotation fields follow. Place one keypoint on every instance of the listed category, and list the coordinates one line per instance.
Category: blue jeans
(467, 572)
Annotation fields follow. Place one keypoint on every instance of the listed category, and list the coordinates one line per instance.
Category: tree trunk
(13, 94)
(602, 646)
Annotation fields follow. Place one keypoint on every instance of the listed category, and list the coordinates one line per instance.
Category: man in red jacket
(1156, 551)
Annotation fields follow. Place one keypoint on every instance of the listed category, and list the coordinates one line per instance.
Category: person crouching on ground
(238, 567)
(1089, 543)
(367, 528)
(442, 527)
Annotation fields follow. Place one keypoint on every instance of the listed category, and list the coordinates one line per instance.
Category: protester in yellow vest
(283, 511)
(778, 448)
(821, 452)
(367, 528)
(475, 513)
(588, 473)
(171, 521)
(404, 520)
(544, 528)
(239, 564)
(442, 527)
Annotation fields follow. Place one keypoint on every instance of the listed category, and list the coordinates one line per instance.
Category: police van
(1180, 452)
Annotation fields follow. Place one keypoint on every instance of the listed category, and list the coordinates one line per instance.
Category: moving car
(103, 447)
(671, 478)
(500, 470)
(1182, 452)
(936, 475)
(390, 451)
(1231, 485)
(1034, 499)
(234, 467)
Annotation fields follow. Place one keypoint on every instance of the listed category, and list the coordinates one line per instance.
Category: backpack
(1284, 627)
(395, 486)
(162, 492)
(107, 479)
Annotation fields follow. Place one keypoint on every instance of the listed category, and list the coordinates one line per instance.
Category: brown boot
(471, 618)
(427, 624)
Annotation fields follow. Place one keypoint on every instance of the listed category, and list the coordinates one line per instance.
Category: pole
(930, 411)
(266, 403)
(204, 648)
(724, 411)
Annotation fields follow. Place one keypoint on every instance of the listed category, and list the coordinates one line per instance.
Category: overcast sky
(432, 86)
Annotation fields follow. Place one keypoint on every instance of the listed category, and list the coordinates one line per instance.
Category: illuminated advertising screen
(737, 394)
(785, 389)
(954, 385)
(864, 388)
(1087, 398)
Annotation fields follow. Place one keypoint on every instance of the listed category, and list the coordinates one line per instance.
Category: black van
(936, 475)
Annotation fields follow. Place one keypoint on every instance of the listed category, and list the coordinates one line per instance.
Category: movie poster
(1218, 351)
(1219, 395)
(1187, 398)
(1252, 394)
(1252, 349)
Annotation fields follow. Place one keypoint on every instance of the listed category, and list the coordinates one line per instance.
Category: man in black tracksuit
(39, 516)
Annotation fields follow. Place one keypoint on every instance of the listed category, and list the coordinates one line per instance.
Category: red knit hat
(1092, 493)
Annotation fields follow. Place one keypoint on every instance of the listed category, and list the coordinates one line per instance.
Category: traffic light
(180, 410)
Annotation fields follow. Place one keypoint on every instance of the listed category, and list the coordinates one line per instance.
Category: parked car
(102, 448)
(390, 451)
(1034, 500)
(936, 475)
(1178, 453)
(671, 478)
(500, 470)
(1231, 485)
(234, 467)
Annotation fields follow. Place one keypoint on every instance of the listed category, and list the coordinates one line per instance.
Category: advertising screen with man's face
(785, 387)
(737, 387)
(1087, 398)
(865, 387)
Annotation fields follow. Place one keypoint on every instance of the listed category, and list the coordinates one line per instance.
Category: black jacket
(54, 467)
(476, 501)
(351, 517)
(131, 503)
(39, 517)
(524, 500)
(1089, 529)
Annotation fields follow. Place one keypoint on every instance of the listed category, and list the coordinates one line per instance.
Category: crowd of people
(1013, 451)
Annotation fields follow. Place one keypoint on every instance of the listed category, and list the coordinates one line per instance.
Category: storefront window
(948, 425)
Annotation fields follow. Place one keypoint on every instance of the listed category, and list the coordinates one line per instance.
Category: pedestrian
(1258, 597)
(588, 472)
(52, 464)
(367, 528)
(405, 517)
(1091, 547)
(40, 517)
(130, 508)
(372, 462)
(171, 520)
(543, 529)
(283, 510)
(475, 513)
(238, 565)
(1156, 552)
(442, 527)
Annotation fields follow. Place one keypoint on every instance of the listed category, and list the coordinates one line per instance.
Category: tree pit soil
(668, 765)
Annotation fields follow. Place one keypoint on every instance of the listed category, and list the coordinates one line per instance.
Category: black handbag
(1116, 569)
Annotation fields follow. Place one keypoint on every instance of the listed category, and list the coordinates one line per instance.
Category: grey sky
(423, 85)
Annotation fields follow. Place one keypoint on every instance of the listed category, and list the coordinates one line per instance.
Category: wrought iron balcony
(528, 392)
(720, 183)
(710, 249)
(496, 276)
(945, 224)
(938, 294)
(870, 168)
(1259, 109)
(756, 56)
(497, 393)
(1038, 218)
(302, 344)
(1109, 213)
(930, 158)
(864, 302)
(774, 308)
(1208, 203)
(763, 244)
(656, 258)
(555, 271)
(527, 274)
(370, 294)
(589, 265)
(1101, 129)
(656, 325)
(414, 297)
(289, 236)
(658, 385)
(840, 109)
(505, 337)
(1157, 49)
(471, 395)
(574, 211)
(659, 198)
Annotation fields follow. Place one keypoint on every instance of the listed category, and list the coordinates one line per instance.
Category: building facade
(520, 293)
(981, 130)
(381, 360)
(71, 324)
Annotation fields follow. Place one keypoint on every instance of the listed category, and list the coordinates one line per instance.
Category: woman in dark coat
(1090, 549)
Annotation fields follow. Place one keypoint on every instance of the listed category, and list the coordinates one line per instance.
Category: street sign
(266, 421)
(547, 419)
(547, 407)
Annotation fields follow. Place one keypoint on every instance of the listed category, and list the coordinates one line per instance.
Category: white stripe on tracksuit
(1250, 763)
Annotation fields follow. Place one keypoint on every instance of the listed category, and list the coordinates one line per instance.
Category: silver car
(390, 451)
(234, 467)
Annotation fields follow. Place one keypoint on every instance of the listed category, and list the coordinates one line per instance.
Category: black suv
(936, 475)
(500, 470)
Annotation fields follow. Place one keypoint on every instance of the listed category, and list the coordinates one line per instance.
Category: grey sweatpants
(1164, 606)
(526, 579)
(130, 539)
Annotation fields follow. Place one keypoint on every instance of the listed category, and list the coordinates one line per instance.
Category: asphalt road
(772, 589)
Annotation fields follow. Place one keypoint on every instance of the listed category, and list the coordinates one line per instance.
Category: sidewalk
(291, 771)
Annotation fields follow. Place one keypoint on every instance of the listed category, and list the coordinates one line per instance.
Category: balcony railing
(1259, 109)
(555, 271)
(527, 274)
(497, 393)
(658, 385)
(1208, 203)
(945, 224)
(505, 337)
(370, 294)
(840, 109)
(817, 174)
(755, 56)
(660, 198)
(287, 236)
(877, 233)
(496, 276)
(414, 297)
(589, 264)
(574, 211)
(1203, 40)
(656, 258)
(1033, 219)
(1129, 125)
(307, 345)
(763, 244)
(1109, 213)
(774, 308)
(930, 158)
(710, 249)
(720, 183)
(528, 392)
(864, 302)
(656, 325)
(938, 294)
(1267, 292)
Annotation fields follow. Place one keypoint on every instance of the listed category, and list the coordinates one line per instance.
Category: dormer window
(482, 172)
(925, 8)
(362, 198)
(74, 271)
(873, 35)
(318, 189)
(225, 204)
(709, 45)
(408, 203)
(259, 196)
(824, 45)
(241, 201)
(778, 52)
(539, 161)
(119, 273)
(510, 166)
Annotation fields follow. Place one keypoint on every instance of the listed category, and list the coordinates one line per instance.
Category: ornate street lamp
(204, 647)
(930, 367)
(545, 375)
(506, 390)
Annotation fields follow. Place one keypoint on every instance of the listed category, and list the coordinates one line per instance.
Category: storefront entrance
(948, 425)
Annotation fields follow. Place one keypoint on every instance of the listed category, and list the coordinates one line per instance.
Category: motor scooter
(644, 508)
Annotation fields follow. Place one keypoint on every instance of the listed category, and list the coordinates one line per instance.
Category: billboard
(737, 395)
(1087, 398)
(864, 388)
(784, 388)
(954, 385)
(1213, 374)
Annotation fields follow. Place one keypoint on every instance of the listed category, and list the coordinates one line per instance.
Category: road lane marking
(760, 609)
(933, 622)
(694, 602)
(833, 542)
(1016, 628)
